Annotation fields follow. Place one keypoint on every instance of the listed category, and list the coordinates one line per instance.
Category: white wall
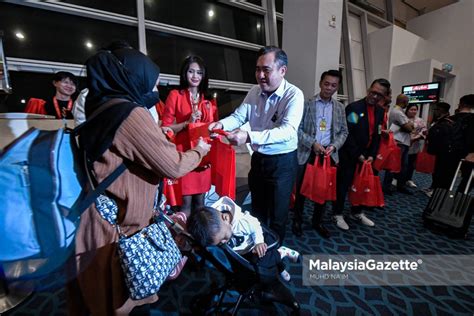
(450, 38)
(407, 47)
(311, 44)
(442, 36)
(380, 43)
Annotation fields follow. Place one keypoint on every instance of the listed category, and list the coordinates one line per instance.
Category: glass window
(125, 7)
(45, 35)
(279, 6)
(357, 56)
(256, 2)
(280, 33)
(210, 17)
(223, 62)
(26, 85)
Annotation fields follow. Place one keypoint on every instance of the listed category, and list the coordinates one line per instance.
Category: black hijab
(120, 73)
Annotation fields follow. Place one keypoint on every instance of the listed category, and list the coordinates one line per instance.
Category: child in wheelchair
(226, 223)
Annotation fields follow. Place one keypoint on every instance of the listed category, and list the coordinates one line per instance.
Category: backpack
(447, 136)
(45, 189)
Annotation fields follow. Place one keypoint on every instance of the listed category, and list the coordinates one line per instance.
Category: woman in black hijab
(122, 85)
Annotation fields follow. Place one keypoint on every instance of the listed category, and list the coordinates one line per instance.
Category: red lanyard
(59, 113)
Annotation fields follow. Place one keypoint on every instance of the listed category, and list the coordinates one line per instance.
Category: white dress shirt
(273, 119)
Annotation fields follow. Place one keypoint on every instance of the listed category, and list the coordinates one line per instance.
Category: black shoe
(296, 229)
(322, 231)
(404, 191)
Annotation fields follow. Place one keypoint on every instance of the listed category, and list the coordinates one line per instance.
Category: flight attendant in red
(60, 106)
(188, 105)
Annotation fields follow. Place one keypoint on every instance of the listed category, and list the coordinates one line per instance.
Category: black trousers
(402, 175)
(411, 166)
(271, 259)
(271, 180)
(445, 168)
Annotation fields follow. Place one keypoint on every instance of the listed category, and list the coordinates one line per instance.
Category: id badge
(322, 125)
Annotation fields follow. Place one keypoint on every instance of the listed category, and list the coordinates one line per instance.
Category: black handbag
(450, 211)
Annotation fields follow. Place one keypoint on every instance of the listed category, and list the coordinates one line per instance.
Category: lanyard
(59, 113)
(194, 101)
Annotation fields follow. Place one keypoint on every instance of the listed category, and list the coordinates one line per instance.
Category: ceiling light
(210, 13)
(23, 101)
(20, 35)
(259, 26)
(89, 45)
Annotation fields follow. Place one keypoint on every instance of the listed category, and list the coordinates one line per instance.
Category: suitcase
(450, 212)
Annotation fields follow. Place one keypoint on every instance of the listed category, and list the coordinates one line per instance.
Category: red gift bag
(380, 201)
(319, 182)
(222, 159)
(172, 192)
(355, 196)
(394, 160)
(425, 162)
(196, 130)
(388, 156)
(385, 149)
(308, 185)
(366, 189)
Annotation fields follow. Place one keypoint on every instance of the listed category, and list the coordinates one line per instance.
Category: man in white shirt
(401, 127)
(273, 108)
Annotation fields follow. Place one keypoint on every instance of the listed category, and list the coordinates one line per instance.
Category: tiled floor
(398, 230)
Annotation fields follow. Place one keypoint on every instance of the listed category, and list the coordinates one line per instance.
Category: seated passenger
(60, 105)
(241, 231)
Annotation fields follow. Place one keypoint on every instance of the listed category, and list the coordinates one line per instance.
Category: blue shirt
(323, 113)
(273, 119)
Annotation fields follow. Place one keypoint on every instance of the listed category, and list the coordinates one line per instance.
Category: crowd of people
(285, 133)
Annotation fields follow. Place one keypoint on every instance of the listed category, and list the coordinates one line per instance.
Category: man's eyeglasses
(376, 94)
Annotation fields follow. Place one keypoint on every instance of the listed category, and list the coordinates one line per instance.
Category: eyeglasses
(376, 94)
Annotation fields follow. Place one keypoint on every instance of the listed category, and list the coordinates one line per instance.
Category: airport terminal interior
(424, 48)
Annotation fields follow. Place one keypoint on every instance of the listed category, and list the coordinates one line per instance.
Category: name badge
(322, 125)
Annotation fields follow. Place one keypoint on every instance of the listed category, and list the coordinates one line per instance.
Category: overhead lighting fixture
(20, 35)
(214, 95)
(89, 45)
(23, 101)
(259, 26)
(210, 13)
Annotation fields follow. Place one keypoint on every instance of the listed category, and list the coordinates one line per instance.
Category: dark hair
(280, 56)
(410, 105)
(443, 106)
(183, 80)
(117, 45)
(203, 224)
(332, 73)
(383, 82)
(61, 75)
(467, 101)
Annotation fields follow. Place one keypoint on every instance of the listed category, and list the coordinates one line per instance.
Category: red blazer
(178, 108)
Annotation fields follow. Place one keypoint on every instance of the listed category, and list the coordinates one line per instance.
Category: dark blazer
(358, 138)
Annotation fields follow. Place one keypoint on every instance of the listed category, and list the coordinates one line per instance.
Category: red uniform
(178, 109)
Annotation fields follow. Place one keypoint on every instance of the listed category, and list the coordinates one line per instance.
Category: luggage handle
(468, 185)
(466, 190)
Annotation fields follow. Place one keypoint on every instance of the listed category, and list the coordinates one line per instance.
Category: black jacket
(357, 142)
